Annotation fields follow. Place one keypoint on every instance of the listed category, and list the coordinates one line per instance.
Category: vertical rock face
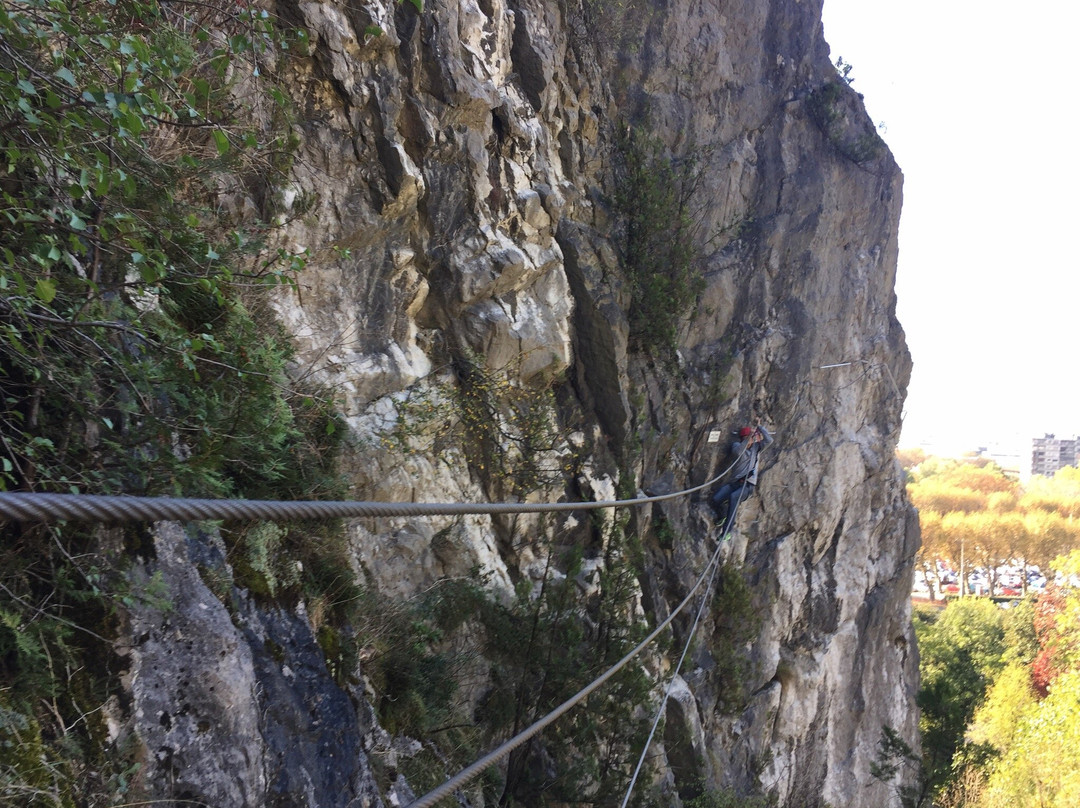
(458, 170)
(236, 706)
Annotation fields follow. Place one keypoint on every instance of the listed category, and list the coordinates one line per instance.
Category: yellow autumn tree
(971, 509)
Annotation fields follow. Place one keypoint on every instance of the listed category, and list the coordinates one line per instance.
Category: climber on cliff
(725, 502)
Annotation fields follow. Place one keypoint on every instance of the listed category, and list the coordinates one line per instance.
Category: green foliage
(1018, 747)
(1064, 636)
(654, 195)
(736, 622)
(1021, 639)
(1039, 765)
(421, 411)
(663, 531)
(509, 429)
(896, 757)
(59, 602)
(844, 70)
(727, 799)
(404, 649)
(1010, 696)
(543, 646)
(130, 355)
(823, 105)
(264, 569)
(139, 354)
(569, 639)
(26, 770)
(423, 771)
(960, 652)
(826, 106)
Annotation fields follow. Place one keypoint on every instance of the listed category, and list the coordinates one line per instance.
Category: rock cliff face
(460, 166)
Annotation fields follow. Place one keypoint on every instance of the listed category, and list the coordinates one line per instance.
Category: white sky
(980, 102)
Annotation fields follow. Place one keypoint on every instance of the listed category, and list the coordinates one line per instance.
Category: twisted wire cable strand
(497, 754)
(45, 507)
(20, 506)
(39, 507)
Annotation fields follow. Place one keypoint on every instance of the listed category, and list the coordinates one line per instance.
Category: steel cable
(20, 506)
(678, 668)
(497, 754)
(492, 757)
(47, 507)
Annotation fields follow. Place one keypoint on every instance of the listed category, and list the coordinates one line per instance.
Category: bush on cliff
(654, 196)
(138, 354)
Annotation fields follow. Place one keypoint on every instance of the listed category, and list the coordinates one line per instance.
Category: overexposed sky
(980, 102)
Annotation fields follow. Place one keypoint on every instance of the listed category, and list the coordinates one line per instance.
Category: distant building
(1050, 454)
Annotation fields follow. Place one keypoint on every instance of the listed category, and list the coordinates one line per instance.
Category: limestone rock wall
(458, 170)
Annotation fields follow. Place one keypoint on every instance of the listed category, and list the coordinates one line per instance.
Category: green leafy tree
(895, 757)
(1010, 697)
(547, 646)
(1040, 763)
(655, 196)
(1019, 748)
(1030, 716)
(137, 351)
(961, 651)
(132, 360)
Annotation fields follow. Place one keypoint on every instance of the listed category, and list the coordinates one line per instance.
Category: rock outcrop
(461, 168)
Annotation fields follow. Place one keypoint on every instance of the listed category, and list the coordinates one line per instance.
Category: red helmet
(745, 432)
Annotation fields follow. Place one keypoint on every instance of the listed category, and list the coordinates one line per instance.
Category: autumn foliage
(1000, 688)
(971, 509)
(999, 699)
(1048, 664)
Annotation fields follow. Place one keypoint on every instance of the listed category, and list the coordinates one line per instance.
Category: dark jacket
(746, 467)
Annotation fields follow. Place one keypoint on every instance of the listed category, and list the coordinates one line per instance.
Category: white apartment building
(1050, 453)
